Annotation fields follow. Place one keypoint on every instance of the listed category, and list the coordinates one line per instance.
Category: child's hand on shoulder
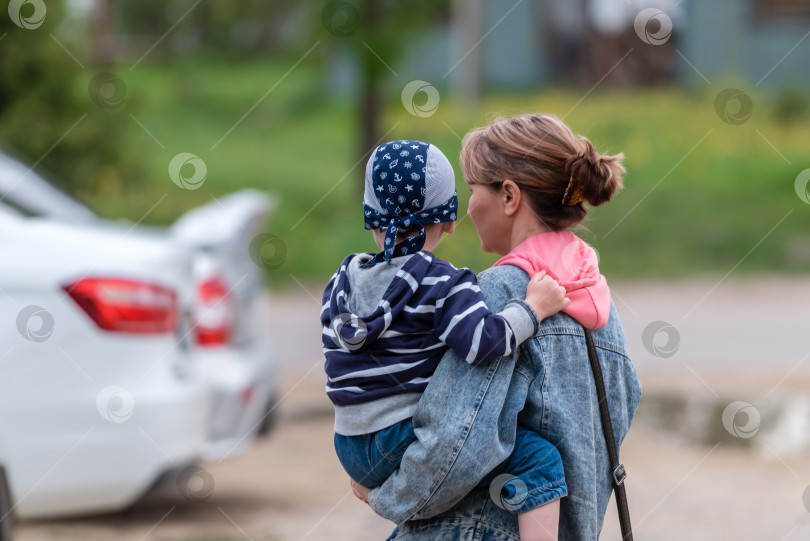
(545, 295)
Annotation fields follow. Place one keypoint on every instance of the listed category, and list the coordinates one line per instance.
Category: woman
(529, 176)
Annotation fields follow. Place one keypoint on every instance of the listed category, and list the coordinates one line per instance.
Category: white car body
(241, 372)
(188, 399)
(71, 445)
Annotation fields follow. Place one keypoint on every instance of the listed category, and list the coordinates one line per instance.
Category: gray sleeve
(520, 316)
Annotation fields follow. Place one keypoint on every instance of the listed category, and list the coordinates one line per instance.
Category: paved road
(720, 322)
(733, 340)
(720, 335)
(742, 341)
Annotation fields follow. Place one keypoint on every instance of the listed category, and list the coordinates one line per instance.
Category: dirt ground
(290, 486)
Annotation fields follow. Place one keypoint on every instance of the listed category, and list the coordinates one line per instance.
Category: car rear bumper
(78, 461)
(243, 381)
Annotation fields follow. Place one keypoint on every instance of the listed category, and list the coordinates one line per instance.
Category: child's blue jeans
(535, 464)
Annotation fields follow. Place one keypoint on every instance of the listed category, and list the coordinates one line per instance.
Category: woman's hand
(359, 490)
(545, 295)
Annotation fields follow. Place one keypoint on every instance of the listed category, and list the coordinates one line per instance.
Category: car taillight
(247, 394)
(213, 313)
(122, 305)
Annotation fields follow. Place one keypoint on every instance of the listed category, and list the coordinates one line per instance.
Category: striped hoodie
(385, 329)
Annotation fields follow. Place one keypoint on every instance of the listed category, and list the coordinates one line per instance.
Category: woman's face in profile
(486, 212)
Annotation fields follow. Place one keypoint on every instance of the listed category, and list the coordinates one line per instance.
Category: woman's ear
(511, 197)
(448, 227)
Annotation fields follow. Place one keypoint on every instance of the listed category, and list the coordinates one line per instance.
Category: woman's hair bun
(596, 177)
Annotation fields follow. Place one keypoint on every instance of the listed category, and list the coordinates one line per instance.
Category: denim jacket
(466, 421)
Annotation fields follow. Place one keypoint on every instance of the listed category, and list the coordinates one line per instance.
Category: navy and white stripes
(373, 358)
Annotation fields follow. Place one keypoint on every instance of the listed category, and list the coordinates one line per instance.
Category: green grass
(700, 194)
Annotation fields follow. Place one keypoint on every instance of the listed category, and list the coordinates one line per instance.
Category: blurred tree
(230, 29)
(376, 33)
(247, 26)
(467, 22)
(102, 30)
(47, 117)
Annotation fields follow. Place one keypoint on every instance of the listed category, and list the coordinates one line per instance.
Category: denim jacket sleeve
(464, 427)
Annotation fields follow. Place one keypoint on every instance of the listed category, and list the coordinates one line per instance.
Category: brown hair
(542, 156)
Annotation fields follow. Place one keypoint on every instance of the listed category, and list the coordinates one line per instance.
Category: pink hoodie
(567, 259)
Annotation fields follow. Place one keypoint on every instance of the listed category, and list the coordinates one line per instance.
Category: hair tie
(576, 193)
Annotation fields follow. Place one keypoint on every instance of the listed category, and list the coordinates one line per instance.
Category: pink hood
(567, 259)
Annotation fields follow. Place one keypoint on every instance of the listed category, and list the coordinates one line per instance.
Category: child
(389, 318)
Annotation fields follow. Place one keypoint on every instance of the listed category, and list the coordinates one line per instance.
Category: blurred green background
(702, 195)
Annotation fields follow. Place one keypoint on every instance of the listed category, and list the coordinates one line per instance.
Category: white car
(97, 395)
(209, 370)
(232, 352)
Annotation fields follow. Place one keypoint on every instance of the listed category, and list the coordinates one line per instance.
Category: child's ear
(448, 227)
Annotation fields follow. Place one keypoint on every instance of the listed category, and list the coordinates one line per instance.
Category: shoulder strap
(619, 473)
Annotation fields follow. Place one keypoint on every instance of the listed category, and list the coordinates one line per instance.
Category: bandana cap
(408, 184)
